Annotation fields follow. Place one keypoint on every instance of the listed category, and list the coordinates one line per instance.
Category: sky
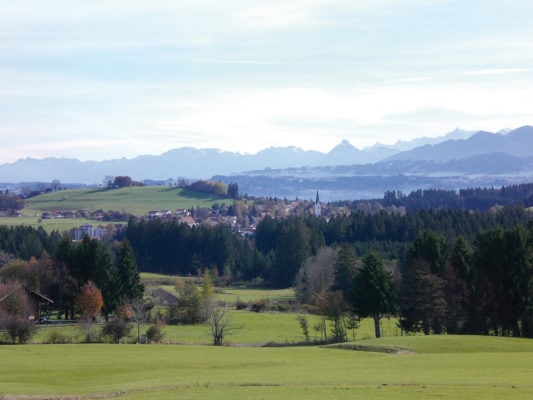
(99, 79)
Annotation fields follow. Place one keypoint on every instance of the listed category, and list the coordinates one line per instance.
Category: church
(318, 207)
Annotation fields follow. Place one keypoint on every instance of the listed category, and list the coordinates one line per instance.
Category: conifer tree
(373, 291)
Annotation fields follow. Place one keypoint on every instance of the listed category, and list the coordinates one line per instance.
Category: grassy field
(436, 368)
(134, 200)
(232, 295)
(49, 225)
(252, 329)
(245, 295)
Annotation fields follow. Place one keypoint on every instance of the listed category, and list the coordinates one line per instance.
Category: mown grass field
(28, 218)
(235, 294)
(134, 200)
(232, 295)
(251, 329)
(438, 367)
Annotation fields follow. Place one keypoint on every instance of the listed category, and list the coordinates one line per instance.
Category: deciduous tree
(219, 323)
(89, 301)
(315, 275)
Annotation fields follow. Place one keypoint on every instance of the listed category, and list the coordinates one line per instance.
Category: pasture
(435, 368)
(229, 295)
(134, 200)
(49, 225)
(252, 329)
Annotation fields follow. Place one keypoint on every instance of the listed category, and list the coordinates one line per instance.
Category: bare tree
(315, 275)
(140, 307)
(219, 323)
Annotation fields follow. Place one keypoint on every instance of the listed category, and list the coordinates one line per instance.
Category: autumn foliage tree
(89, 300)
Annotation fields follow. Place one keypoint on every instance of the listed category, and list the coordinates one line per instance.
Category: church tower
(318, 207)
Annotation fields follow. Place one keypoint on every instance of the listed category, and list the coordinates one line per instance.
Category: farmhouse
(165, 297)
(37, 302)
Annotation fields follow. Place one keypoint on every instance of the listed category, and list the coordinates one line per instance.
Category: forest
(437, 270)
(476, 199)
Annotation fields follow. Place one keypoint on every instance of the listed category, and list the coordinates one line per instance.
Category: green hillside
(135, 200)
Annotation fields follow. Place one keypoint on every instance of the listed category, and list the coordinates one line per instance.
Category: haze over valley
(456, 160)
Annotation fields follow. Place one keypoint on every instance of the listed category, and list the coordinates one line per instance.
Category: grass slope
(190, 372)
(134, 200)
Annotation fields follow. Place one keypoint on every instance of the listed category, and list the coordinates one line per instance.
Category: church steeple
(318, 208)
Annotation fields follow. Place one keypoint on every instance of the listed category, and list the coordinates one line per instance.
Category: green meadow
(234, 294)
(134, 200)
(49, 225)
(251, 329)
(433, 367)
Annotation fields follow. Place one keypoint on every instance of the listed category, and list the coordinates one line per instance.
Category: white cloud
(105, 79)
(498, 71)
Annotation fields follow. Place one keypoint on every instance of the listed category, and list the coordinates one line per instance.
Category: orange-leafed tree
(89, 300)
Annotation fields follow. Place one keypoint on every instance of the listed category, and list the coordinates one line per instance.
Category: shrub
(241, 305)
(116, 329)
(57, 338)
(154, 334)
(18, 328)
(89, 332)
(283, 307)
(258, 306)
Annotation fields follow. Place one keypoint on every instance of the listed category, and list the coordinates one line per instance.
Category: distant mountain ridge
(518, 143)
(201, 163)
(483, 159)
(457, 154)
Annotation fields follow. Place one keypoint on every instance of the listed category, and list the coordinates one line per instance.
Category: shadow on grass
(374, 349)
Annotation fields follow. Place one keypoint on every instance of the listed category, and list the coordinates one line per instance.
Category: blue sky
(105, 79)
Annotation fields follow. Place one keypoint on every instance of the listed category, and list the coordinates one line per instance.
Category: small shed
(165, 297)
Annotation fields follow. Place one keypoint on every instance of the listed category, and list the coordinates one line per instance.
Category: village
(242, 216)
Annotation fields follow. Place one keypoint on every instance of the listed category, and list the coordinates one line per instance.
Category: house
(37, 302)
(165, 297)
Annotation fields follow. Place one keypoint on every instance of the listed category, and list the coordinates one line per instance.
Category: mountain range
(480, 160)
(202, 163)
(454, 160)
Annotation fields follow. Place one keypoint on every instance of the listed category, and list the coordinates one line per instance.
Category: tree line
(479, 199)
(280, 246)
(63, 275)
(440, 286)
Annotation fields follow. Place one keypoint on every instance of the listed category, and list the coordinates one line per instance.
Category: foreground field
(449, 367)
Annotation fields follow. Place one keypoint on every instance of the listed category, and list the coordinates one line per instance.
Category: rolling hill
(135, 200)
